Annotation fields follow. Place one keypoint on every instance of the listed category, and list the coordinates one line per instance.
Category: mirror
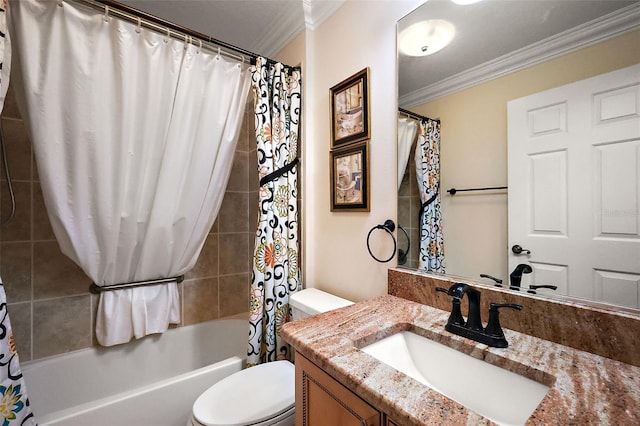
(502, 50)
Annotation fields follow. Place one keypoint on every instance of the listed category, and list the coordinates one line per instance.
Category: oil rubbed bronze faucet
(472, 328)
(515, 278)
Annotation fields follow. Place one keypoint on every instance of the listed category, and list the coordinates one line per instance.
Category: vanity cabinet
(321, 400)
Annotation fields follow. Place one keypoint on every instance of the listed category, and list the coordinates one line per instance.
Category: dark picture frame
(350, 178)
(350, 110)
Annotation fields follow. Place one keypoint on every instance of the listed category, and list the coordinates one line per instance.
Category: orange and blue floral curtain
(427, 159)
(277, 97)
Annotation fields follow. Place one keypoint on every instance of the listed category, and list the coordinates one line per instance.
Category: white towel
(124, 314)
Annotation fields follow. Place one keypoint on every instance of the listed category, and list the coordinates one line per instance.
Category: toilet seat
(251, 396)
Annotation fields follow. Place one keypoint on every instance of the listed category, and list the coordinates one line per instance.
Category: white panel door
(574, 187)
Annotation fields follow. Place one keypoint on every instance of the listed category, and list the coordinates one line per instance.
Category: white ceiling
(259, 26)
(492, 29)
(485, 30)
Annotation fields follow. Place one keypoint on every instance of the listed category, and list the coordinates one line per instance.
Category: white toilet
(263, 395)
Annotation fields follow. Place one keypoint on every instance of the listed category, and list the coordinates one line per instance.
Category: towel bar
(96, 289)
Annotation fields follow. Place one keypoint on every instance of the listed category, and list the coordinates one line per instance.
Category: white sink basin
(504, 397)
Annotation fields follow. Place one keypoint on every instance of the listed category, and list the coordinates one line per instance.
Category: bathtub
(152, 381)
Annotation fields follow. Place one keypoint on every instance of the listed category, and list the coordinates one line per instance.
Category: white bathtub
(152, 381)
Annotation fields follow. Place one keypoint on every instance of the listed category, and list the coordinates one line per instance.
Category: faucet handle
(534, 287)
(493, 326)
(498, 281)
(456, 313)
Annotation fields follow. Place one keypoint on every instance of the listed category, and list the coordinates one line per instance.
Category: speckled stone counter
(586, 389)
(608, 331)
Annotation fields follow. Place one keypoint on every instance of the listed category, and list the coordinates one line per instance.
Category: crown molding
(281, 31)
(317, 11)
(289, 24)
(587, 34)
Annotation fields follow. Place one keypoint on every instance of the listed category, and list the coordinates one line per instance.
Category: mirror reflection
(506, 67)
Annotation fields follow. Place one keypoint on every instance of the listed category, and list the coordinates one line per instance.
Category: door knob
(516, 249)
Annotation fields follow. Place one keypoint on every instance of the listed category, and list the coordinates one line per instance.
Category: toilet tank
(312, 301)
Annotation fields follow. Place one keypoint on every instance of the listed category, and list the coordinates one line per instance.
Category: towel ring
(389, 226)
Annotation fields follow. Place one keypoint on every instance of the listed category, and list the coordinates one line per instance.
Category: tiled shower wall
(48, 297)
(408, 209)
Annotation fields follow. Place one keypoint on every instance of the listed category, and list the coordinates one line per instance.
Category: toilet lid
(250, 396)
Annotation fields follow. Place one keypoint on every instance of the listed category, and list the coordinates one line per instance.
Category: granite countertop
(585, 388)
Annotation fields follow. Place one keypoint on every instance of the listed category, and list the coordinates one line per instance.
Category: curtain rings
(139, 27)
(168, 37)
(388, 226)
(106, 14)
(199, 46)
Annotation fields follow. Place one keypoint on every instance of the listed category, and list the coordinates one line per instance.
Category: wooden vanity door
(321, 400)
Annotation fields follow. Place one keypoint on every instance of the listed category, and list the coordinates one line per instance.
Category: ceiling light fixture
(426, 37)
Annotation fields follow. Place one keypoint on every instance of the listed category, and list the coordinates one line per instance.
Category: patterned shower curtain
(277, 96)
(14, 402)
(427, 159)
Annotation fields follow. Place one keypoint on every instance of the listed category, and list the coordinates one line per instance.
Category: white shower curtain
(134, 135)
(407, 130)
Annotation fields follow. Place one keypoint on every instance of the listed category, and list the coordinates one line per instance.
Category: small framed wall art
(350, 178)
(350, 110)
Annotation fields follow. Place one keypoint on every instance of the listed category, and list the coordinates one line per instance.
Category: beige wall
(474, 150)
(360, 34)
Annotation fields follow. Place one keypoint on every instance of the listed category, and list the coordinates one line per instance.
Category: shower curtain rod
(172, 29)
(415, 116)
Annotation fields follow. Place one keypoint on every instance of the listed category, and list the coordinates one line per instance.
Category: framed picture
(350, 110)
(350, 178)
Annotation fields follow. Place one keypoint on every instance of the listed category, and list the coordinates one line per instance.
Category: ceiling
(484, 31)
(259, 26)
(492, 29)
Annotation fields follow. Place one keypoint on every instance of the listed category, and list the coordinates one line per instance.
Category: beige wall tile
(233, 253)
(253, 211)
(207, 265)
(245, 130)
(404, 212)
(61, 325)
(18, 149)
(215, 227)
(15, 270)
(238, 181)
(254, 179)
(19, 229)
(200, 300)
(234, 212)
(251, 247)
(405, 187)
(41, 226)
(20, 317)
(10, 107)
(234, 294)
(54, 274)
